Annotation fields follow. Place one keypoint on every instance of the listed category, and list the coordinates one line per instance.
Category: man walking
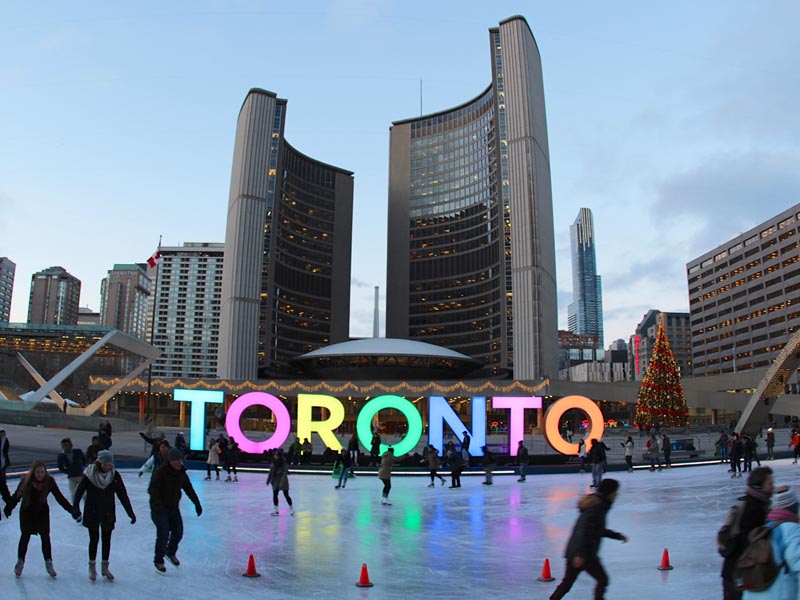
(584, 543)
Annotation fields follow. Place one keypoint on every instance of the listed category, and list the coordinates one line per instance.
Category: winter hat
(174, 454)
(758, 476)
(785, 498)
(608, 486)
(105, 456)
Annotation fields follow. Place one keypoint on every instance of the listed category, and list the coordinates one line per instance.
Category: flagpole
(153, 327)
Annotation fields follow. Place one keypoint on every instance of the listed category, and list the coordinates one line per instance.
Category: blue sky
(676, 123)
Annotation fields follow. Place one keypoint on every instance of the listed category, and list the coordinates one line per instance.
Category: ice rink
(474, 542)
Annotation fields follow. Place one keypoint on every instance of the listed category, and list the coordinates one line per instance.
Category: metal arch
(763, 399)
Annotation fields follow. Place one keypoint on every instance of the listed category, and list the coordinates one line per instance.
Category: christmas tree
(661, 398)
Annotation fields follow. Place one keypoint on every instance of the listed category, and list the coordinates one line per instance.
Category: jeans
(343, 475)
(169, 532)
(593, 568)
(523, 471)
(597, 473)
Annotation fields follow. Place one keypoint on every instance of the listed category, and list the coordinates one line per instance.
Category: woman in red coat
(34, 514)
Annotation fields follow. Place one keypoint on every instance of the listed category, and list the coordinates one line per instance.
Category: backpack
(756, 568)
(728, 534)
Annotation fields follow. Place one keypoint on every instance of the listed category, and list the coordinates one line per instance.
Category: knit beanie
(105, 456)
(174, 454)
(785, 498)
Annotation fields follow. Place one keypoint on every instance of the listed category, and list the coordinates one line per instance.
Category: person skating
(92, 449)
(278, 478)
(101, 482)
(352, 448)
(523, 456)
(156, 460)
(737, 451)
(375, 449)
(628, 445)
(760, 486)
(465, 443)
(34, 513)
(232, 461)
(488, 465)
(165, 496)
(385, 474)
(456, 467)
(213, 459)
(584, 543)
(770, 443)
(666, 447)
(5, 462)
(345, 466)
(71, 462)
(433, 464)
(597, 458)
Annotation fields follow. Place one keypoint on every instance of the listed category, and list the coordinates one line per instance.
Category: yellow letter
(305, 426)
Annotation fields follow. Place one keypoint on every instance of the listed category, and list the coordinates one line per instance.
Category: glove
(198, 509)
(76, 514)
(133, 520)
(7, 511)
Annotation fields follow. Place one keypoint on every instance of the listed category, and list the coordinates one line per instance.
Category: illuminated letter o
(371, 408)
(552, 419)
(283, 422)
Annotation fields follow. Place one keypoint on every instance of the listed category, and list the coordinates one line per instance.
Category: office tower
(124, 297)
(286, 283)
(585, 313)
(744, 297)
(188, 290)
(54, 299)
(7, 271)
(642, 342)
(471, 253)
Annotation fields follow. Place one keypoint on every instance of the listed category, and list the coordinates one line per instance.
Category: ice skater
(456, 467)
(584, 543)
(71, 462)
(345, 468)
(352, 448)
(278, 478)
(165, 511)
(433, 465)
(155, 460)
(597, 458)
(232, 461)
(523, 457)
(628, 445)
(465, 443)
(34, 513)
(101, 482)
(375, 449)
(385, 474)
(5, 462)
(488, 465)
(213, 459)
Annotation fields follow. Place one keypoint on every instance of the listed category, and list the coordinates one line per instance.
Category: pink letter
(516, 420)
(283, 422)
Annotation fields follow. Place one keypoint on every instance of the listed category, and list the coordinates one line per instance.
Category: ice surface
(475, 542)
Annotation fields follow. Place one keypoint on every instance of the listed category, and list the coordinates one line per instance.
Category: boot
(93, 570)
(207, 478)
(48, 566)
(18, 567)
(217, 476)
(236, 479)
(104, 570)
(291, 510)
(228, 480)
(275, 512)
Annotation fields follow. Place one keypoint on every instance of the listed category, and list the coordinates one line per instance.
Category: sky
(676, 123)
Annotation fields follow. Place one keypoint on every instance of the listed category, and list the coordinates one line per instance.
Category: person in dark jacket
(104, 435)
(352, 448)
(597, 458)
(5, 462)
(760, 486)
(71, 462)
(101, 482)
(489, 461)
(737, 453)
(375, 449)
(345, 462)
(523, 456)
(278, 478)
(770, 443)
(34, 513)
(165, 496)
(93, 449)
(232, 461)
(465, 443)
(154, 442)
(584, 543)
(456, 466)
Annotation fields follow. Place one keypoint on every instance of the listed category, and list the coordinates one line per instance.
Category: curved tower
(286, 276)
(470, 244)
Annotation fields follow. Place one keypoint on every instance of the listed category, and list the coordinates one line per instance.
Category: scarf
(782, 514)
(97, 477)
(757, 494)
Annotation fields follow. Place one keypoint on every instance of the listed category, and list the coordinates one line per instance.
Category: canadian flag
(155, 259)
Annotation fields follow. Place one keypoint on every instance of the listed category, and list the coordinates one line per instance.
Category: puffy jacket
(590, 528)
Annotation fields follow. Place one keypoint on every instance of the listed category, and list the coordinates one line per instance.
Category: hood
(590, 501)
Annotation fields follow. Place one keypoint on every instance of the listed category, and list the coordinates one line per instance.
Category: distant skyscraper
(286, 287)
(471, 253)
(586, 310)
(7, 270)
(676, 327)
(123, 299)
(189, 286)
(55, 296)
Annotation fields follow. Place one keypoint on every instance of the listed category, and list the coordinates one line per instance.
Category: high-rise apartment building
(124, 297)
(640, 346)
(471, 253)
(188, 291)
(7, 271)
(286, 287)
(585, 313)
(55, 296)
(744, 297)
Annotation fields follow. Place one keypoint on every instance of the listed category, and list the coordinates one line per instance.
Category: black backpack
(728, 534)
(756, 568)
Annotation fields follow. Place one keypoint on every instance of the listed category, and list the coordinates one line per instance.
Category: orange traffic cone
(665, 566)
(364, 580)
(546, 576)
(251, 568)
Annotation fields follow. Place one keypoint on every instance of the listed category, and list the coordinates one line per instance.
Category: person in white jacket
(785, 547)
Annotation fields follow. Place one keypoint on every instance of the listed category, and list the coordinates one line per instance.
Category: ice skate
(93, 570)
(385, 502)
(48, 566)
(235, 479)
(18, 567)
(275, 512)
(105, 572)
(430, 484)
(228, 480)
(160, 567)
(291, 510)
(338, 486)
(207, 478)
(174, 560)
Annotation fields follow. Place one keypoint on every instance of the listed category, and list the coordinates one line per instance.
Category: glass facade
(585, 313)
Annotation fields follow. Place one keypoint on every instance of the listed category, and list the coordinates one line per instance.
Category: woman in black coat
(34, 514)
(101, 482)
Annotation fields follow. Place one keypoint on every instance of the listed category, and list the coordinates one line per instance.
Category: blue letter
(439, 411)
(197, 412)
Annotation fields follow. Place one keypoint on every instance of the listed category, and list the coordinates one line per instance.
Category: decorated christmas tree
(661, 398)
